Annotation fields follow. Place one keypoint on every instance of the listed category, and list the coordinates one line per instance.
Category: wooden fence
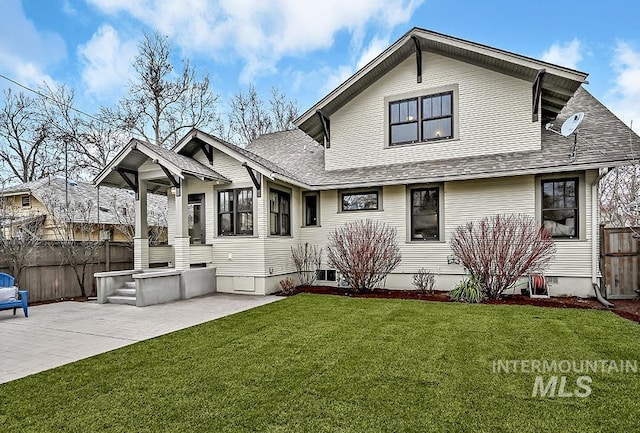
(620, 254)
(48, 278)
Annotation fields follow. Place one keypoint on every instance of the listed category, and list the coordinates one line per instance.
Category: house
(105, 213)
(434, 132)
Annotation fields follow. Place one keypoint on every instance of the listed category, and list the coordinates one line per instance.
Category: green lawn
(326, 364)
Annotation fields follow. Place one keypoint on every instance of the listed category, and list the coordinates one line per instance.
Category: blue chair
(7, 280)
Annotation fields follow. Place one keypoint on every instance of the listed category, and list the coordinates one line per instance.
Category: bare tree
(89, 142)
(76, 234)
(161, 105)
(124, 216)
(620, 197)
(499, 250)
(250, 116)
(364, 252)
(26, 152)
(20, 234)
(307, 259)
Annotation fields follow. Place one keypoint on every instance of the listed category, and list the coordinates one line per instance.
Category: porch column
(181, 243)
(141, 237)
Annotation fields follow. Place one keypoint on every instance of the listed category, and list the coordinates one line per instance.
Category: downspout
(595, 238)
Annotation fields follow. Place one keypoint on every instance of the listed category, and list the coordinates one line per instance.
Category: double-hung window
(560, 207)
(279, 212)
(420, 119)
(235, 212)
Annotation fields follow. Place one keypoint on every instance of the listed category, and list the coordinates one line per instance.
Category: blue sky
(306, 48)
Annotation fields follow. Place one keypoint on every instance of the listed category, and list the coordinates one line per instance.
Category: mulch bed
(628, 308)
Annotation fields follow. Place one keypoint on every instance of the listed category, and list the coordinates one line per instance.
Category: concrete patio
(60, 333)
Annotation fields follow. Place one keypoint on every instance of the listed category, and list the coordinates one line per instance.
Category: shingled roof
(603, 141)
(105, 206)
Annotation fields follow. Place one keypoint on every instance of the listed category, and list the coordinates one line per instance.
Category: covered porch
(183, 268)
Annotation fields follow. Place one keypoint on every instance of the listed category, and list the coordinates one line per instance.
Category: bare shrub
(499, 250)
(287, 286)
(307, 259)
(364, 252)
(423, 281)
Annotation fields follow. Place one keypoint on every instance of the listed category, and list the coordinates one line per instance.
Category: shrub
(499, 250)
(468, 290)
(364, 252)
(423, 281)
(307, 259)
(287, 286)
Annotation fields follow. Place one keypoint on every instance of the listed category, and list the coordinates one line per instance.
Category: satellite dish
(571, 124)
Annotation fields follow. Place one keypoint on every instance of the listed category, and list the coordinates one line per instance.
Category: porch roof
(137, 152)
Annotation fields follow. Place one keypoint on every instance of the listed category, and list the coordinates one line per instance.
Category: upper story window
(419, 119)
(362, 200)
(280, 212)
(235, 212)
(425, 221)
(560, 207)
(26, 201)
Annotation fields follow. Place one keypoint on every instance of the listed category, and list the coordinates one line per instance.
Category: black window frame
(283, 225)
(575, 209)
(27, 202)
(198, 199)
(420, 119)
(235, 212)
(413, 206)
(315, 217)
(355, 193)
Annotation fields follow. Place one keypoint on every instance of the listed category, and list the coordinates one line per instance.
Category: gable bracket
(133, 184)
(536, 91)
(324, 120)
(416, 42)
(256, 178)
(174, 181)
(207, 150)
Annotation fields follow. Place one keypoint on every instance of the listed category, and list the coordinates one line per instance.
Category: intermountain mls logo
(552, 375)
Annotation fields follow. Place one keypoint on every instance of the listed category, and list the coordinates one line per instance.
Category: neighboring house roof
(105, 206)
(602, 141)
(138, 152)
(557, 83)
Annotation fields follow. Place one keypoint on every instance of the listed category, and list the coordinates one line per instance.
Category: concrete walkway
(60, 333)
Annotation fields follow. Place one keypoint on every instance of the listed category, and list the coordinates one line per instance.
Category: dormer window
(421, 119)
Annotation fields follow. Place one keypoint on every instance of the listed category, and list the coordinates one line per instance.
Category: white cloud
(261, 32)
(376, 47)
(106, 63)
(567, 54)
(624, 97)
(25, 52)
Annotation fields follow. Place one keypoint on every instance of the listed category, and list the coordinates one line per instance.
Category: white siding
(463, 201)
(494, 116)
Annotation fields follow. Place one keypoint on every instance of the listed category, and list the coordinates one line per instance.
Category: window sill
(434, 241)
(570, 240)
(236, 236)
(310, 227)
(421, 143)
(360, 211)
(280, 236)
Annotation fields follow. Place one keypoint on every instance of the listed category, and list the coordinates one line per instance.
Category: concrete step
(126, 292)
(130, 285)
(129, 300)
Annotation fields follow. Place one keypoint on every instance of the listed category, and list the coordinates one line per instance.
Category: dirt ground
(629, 309)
